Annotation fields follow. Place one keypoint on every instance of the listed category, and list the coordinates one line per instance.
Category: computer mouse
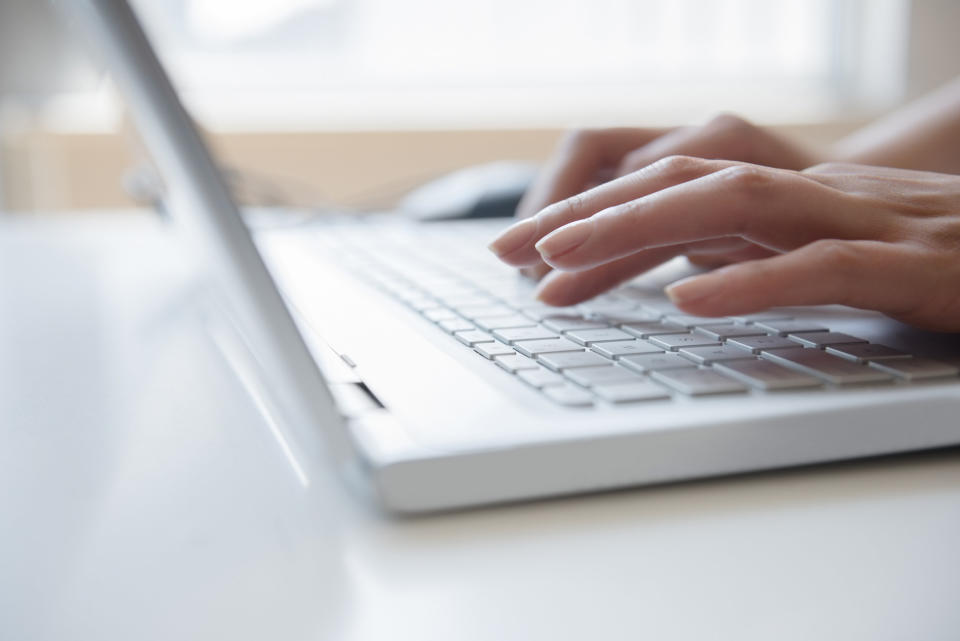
(481, 191)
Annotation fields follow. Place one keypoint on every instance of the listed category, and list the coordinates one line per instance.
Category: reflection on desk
(145, 498)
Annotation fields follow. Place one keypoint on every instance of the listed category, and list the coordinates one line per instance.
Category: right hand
(587, 158)
(877, 238)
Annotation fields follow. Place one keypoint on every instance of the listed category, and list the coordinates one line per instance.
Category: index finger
(516, 245)
(775, 208)
(578, 159)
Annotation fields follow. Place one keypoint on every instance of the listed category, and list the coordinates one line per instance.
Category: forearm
(924, 135)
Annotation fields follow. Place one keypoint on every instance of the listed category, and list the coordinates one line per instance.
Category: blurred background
(352, 102)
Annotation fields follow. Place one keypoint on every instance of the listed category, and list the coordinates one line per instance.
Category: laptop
(407, 356)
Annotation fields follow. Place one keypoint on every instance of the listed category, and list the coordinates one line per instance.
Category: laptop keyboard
(630, 345)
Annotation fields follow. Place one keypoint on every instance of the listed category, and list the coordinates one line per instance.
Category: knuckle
(943, 235)
(631, 211)
(748, 180)
(574, 204)
(566, 209)
(839, 256)
(678, 168)
(842, 261)
(728, 122)
(737, 138)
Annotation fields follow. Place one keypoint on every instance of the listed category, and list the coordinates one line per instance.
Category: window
(437, 63)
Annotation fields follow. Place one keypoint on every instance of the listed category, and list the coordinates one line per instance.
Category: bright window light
(442, 63)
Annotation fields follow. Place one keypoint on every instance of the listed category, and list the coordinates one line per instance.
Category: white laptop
(450, 386)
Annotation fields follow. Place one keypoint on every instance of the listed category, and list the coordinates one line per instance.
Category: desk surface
(144, 497)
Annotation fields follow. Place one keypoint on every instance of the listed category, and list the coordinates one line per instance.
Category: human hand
(589, 158)
(869, 237)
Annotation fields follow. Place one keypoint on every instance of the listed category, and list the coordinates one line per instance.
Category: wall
(50, 171)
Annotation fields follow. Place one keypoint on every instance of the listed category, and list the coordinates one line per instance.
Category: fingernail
(536, 272)
(565, 239)
(690, 289)
(515, 237)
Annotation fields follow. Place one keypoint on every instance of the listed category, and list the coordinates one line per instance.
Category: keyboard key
(915, 368)
(543, 312)
(729, 330)
(757, 344)
(515, 334)
(423, 303)
(472, 337)
(540, 378)
(515, 362)
(492, 350)
(591, 336)
(688, 321)
(640, 294)
(569, 395)
(832, 369)
(456, 325)
(504, 322)
(642, 390)
(661, 307)
(483, 311)
(822, 339)
(654, 362)
(766, 375)
(628, 316)
(572, 323)
(452, 292)
(458, 301)
(645, 330)
(697, 382)
(567, 360)
(673, 342)
(604, 374)
(546, 346)
(591, 308)
(438, 314)
(410, 294)
(784, 327)
(760, 317)
(514, 298)
(863, 352)
(616, 349)
(535, 304)
(715, 353)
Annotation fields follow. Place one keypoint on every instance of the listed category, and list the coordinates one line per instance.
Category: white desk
(142, 497)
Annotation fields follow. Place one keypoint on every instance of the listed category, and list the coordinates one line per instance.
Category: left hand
(864, 236)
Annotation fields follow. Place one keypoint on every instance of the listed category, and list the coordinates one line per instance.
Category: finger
(537, 271)
(580, 156)
(517, 245)
(865, 274)
(726, 136)
(583, 160)
(778, 209)
(712, 260)
(685, 141)
(716, 246)
(840, 169)
(570, 288)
